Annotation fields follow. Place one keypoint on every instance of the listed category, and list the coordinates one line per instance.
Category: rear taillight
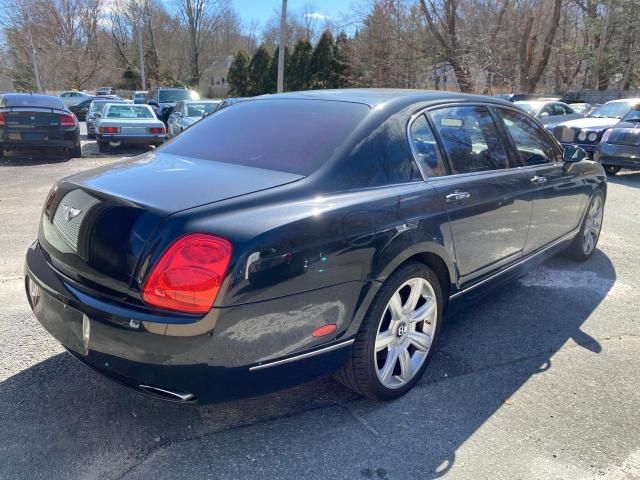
(67, 120)
(109, 129)
(2, 120)
(189, 274)
(606, 135)
(156, 130)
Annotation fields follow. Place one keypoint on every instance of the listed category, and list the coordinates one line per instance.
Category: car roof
(388, 96)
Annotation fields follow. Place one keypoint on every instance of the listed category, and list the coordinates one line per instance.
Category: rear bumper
(626, 156)
(132, 140)
(230, 353)
(42, 144)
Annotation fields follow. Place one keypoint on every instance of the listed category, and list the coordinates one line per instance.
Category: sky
(262, 10)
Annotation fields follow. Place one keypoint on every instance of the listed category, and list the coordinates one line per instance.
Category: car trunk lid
(95, 225)
(32, 123)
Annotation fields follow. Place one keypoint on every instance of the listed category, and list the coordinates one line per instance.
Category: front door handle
(537, 180)
(457, 197)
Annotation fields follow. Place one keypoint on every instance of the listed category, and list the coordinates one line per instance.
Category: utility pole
(283, 39)
(141, 53)
(34, 60)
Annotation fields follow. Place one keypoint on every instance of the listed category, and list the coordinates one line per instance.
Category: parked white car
(74, 97)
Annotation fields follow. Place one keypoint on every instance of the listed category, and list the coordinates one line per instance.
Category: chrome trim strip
(183, 397)
(519, 262)
(295, 358)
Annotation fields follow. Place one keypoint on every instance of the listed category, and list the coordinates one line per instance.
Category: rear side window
(293, 136)
(534, 148)
(425, 148)
(470, 139)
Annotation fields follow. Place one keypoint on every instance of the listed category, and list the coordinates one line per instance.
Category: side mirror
(177, 114)
(97, 115)
(544, 114)
(573, 154)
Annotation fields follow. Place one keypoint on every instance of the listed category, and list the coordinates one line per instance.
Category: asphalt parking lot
(539, 381)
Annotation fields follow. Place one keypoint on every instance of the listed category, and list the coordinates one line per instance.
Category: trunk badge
(69, 212)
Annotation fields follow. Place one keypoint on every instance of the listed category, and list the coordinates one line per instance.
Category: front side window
(425, 148)
(534, 148)
(470, 138)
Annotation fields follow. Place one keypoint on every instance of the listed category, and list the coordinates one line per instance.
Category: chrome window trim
(301, 356)
(489, 106)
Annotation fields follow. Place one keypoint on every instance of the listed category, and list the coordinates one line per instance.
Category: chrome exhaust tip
(168, 394)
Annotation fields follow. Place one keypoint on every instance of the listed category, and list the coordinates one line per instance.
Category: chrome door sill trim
(565, 237)
(295, 358)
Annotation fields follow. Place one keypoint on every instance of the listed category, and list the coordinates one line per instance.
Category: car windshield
(171, 96)
(530, 107)
(129, 111)
(199, 109)
(286, 135)
(611, 110)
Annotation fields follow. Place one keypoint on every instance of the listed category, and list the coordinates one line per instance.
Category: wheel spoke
(425, 312)
(389, 365)
(395, 306)
(406, 371)
(420, 340)
(384, 339)
(414, 296)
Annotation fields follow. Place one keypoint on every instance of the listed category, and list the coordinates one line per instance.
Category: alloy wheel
(592, 225)
(405, 332)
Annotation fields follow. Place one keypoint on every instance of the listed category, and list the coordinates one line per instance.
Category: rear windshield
(171, 96)
(39, 101)
(293, 136)
(129, 111)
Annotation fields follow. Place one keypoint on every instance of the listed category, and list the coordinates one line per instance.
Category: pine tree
(259, 72)
(321, 61)
(238, 76)
(298, 75)
(340, 71)
(272, 82)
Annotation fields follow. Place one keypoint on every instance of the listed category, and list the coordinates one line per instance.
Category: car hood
(591, 123)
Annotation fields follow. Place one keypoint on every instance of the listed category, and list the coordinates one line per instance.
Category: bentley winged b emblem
(69, 212)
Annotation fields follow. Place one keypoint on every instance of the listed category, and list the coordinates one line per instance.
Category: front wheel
(584, 244)
(611, 169)
(395, 342)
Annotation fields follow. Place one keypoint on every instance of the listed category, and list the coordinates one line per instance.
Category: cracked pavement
(540, 380)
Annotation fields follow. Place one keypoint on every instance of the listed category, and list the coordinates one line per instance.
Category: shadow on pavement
(58, 416)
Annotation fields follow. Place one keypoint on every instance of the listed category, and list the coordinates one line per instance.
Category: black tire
(577, 249)
(359, 372)
(611, 169)
(1, 153)
(103, 147)
(75, 152)
(91, 136)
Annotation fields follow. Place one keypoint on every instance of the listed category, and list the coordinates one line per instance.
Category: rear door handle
(457, 197)
(537, 180)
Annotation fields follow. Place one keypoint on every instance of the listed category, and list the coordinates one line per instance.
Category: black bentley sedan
(304, 233)
(620, 145)
(30, 121)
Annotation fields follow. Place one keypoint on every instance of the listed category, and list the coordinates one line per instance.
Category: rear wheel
(584, 244)
(103, 147)
(396, 339)
(611, 169)
(75, 152)
(91, 136)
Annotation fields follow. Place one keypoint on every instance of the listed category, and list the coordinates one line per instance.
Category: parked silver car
(74, 97)
(139, 96)
(549, 112)
(188, 112)
(128, 124)
(97, 106)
